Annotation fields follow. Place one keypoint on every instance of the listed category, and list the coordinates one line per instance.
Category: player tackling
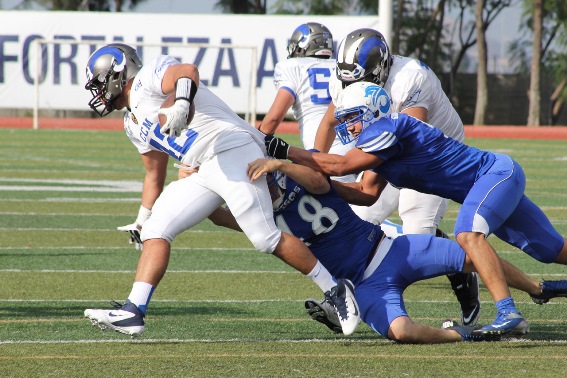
(217, 142)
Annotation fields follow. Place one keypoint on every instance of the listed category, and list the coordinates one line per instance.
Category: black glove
(276, 147)
(134, 231)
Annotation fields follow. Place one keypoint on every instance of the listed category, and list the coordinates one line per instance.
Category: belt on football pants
(379, 253)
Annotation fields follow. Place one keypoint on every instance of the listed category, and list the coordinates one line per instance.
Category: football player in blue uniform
(409, 153)
(307, 205)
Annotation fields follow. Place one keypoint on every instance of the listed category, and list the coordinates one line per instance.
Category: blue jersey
(418, 156)
(342, 241)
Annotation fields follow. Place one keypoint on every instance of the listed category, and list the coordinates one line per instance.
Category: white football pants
(222, 179)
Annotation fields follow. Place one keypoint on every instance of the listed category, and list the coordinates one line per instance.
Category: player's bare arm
(223, 217)
(354, 161)
(177, 71)
(283, 101)
(418, 112)
(313, 182)
(326, 132)
(364, 192)
(155, 163)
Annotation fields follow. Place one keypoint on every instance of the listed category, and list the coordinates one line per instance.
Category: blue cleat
(472, 333)
(549, 290)
(510, 324)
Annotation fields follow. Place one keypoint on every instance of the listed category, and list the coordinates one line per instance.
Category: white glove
(134, 229)
(176, 118)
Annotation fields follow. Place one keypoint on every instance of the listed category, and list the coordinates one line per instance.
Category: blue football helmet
(310, 39)
(360, 102)
(363, 56)
(108, 71)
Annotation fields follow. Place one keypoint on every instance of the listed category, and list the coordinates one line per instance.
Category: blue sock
(506, 305)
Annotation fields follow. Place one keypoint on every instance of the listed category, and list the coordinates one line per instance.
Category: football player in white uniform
(302, 83)
(414, 89)
(217, 145)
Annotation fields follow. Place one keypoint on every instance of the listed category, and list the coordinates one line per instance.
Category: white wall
(226, 71)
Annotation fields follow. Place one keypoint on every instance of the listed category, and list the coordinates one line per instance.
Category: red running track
(115, 124)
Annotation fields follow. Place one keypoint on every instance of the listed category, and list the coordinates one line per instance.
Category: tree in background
(81, 5)
(485, 14)
(481, 74)
(549, 25)
(242, 6)
(535, 77)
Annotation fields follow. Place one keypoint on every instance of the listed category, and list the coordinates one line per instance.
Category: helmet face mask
(363, 56)
(350, 117)
(277, 185)
(310, 39)
(108, 71)
(360, 102)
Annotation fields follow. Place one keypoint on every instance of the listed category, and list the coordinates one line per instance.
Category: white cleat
(342, 298)
(127, 319)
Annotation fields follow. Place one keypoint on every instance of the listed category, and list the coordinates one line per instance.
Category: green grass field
(222, 309)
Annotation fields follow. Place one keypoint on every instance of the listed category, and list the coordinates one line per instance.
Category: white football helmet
(360, 102)
(108, 70)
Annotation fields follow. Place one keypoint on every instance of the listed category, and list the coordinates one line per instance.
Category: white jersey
(411, 83)
(214, 128)
(307, 79)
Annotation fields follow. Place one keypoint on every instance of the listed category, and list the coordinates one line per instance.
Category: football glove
(324, 312)
(276, 147)
(134, 229)
(176, 118)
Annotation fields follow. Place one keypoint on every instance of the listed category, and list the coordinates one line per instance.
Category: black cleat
(465, 287)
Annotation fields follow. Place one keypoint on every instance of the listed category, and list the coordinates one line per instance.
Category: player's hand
(176, 118)
(134, 229)
(184, 170)
(259, 167)
(276, 147)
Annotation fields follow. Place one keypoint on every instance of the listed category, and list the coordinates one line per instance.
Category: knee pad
(266, 243)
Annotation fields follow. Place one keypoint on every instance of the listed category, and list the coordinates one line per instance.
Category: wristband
(185, 89)
(143, 215)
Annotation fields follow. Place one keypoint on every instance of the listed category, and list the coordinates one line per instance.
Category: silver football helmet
(360, 102)
(363, 56)
(108, 70)
(310, 39)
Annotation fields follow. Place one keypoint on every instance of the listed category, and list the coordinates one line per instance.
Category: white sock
(141, 294)
(321, 276)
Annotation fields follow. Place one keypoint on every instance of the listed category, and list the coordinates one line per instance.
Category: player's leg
(421, 214)
(251, 205)
(182, 204)
(411, 258)
(490, 201)
(529, 229)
